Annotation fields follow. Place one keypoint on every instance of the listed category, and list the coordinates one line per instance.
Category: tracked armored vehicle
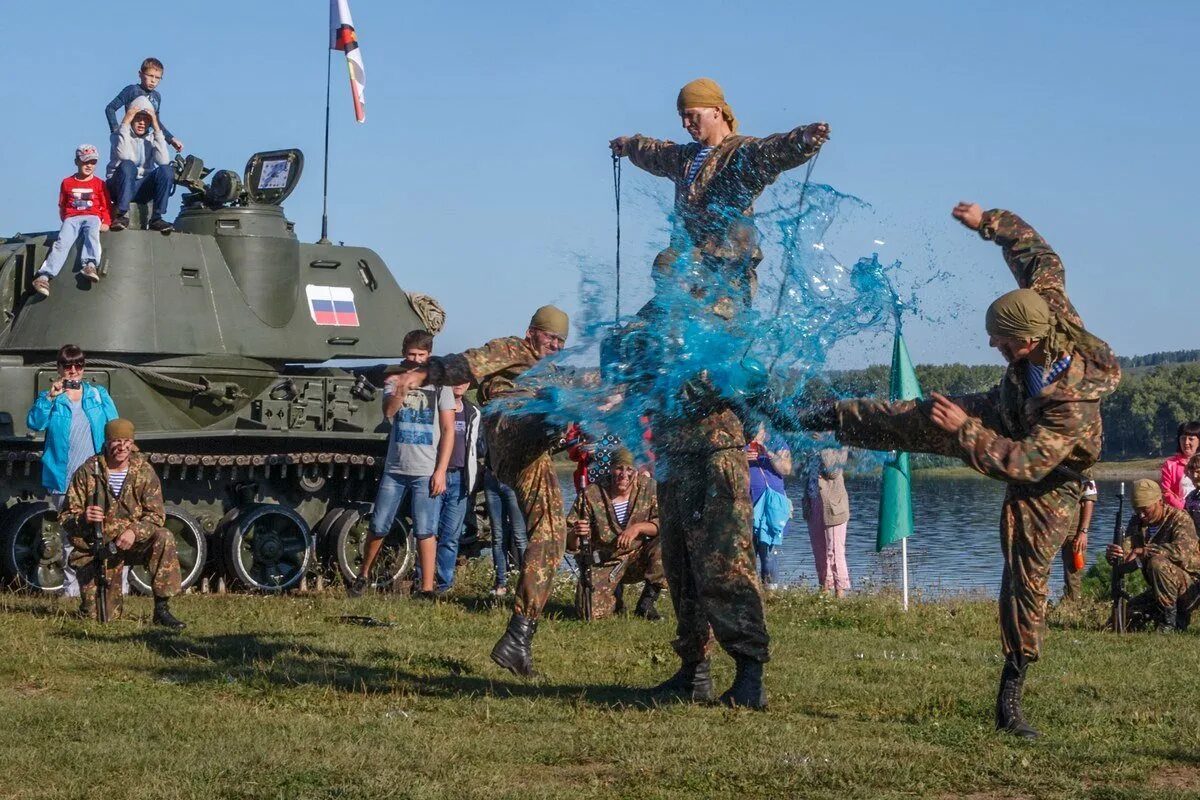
(211, 339)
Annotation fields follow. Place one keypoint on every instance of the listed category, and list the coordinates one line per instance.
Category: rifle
(99, 549)
(1120, 599)
(583, 558)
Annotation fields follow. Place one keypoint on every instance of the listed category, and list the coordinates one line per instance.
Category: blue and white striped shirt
(116, 480)
(697, 162)
(1037, 379)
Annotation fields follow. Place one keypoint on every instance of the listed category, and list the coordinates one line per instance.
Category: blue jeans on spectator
(85, 228)
(508, 524)
(125, 187)
(768, 562)
(455, 502)
(393, 488)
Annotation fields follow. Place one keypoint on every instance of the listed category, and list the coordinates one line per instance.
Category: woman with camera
(73, 414)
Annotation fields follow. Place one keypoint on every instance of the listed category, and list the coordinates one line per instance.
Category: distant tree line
(1157, 393)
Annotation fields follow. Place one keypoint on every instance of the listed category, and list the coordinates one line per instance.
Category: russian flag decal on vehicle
(332, 305)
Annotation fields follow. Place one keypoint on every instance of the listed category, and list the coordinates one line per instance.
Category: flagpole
(904, 565)
(325, 186)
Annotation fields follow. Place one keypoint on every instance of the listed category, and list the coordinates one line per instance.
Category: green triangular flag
(895, 497)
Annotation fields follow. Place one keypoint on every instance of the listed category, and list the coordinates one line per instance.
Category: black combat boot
(619, 600)
(1008, 702)
(1170, 620)
(164, 617)
(514, 651)
(645, 604)
(747, 690)
(1185, 617)
(693, 681)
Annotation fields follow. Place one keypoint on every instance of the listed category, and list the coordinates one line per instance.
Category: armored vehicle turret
(212, 340)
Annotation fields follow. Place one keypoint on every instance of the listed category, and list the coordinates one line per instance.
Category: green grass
(269, 698)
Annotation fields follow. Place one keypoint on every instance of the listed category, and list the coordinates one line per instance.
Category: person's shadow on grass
(286, 660)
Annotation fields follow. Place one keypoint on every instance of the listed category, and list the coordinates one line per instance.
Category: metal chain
(616, 159)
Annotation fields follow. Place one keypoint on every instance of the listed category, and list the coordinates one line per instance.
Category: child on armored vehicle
(150, 73)
(139, 169)
(83, 207)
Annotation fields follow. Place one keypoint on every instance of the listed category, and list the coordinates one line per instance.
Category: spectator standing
(827, 510)
(149, 76)
(418, 456)
(1175, 483)
(770, 462)
(73, 413)
(139, 168)
(83, 207)
(1191, 503)
(460, 480)
(508, 528)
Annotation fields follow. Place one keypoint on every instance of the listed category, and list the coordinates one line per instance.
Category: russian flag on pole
(332, 305)
(342, 37)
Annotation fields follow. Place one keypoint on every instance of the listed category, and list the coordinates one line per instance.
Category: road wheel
(33, 547)
(268, 548)
(396, 558)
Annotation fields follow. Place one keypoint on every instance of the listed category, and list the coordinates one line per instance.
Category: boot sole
(500, 661)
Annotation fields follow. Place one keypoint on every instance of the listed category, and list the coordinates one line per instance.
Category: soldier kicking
(1037, 431)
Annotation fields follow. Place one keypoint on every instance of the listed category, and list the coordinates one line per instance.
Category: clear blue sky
(482, 174)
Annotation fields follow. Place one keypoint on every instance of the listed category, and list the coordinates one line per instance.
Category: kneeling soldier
(1161, 540)
(130, 510)
(619, 514)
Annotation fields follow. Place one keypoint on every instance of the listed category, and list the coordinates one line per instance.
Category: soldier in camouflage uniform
(1037, 431)
(132, 520)
(519, 448)
(1162, 540)
(1077, 543)
(707, 520)
(618, 512)
(717, 178)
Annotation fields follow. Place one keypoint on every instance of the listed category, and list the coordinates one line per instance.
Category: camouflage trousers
(1034, 520)
(1170, 585)
(706, 528)
(1071, 577)
(157, 554)
(644, 564)
(519, 449)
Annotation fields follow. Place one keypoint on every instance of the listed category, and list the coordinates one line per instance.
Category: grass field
(267, 697)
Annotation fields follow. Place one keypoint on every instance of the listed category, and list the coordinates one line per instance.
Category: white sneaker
(41, 285)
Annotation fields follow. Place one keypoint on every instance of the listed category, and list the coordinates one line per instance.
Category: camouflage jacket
(494, 367)
(1174, 538)
(595, 505)
(713, 211)
(1018, 438)
(140, 506)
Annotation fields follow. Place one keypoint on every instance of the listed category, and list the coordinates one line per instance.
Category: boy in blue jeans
(83, 207)
(419, 450)
(148, 78)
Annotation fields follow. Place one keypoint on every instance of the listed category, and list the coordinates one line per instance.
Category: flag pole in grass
(895, 500)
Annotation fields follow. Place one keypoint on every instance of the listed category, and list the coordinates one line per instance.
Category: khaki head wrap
(118, 429)
(1146, 493)
(1022, 314)
(621, 457)
(706, 93)
(552, 320)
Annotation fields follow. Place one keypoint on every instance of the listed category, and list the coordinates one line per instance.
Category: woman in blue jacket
(73, 414)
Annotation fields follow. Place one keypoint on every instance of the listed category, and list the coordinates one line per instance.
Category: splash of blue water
(617, 374)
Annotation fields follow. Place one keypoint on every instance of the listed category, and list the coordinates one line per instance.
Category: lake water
(955, 546)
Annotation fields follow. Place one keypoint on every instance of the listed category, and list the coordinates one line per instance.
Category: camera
(72, 384)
